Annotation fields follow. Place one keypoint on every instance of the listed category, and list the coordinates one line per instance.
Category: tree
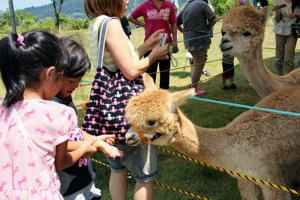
(57, 5)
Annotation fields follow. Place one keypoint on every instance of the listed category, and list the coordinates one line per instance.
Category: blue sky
(20, 4)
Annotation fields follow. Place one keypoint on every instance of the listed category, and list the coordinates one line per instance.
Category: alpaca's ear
(264, 15)
(179, 97)
(148, 82)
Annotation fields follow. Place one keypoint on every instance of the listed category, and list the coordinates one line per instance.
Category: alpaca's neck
(203, 144)
(261, 79)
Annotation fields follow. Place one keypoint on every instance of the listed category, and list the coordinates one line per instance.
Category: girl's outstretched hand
(107, 149)
(109, 139)
(89, 147)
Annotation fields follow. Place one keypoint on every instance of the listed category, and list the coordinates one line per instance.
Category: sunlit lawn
(174, 171)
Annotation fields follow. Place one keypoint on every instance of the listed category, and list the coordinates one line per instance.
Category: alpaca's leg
(273, 174)
(248, 190)
(272, 193)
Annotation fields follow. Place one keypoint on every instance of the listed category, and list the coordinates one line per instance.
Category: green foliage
(47, 24)
(75, 24)
(221, 6)
(24, 20)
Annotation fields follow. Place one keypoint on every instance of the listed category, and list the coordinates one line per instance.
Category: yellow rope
(236, 174)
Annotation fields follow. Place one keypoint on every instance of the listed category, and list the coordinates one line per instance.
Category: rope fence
(230, 172)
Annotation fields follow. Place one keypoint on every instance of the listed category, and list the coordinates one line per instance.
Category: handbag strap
(101, 39)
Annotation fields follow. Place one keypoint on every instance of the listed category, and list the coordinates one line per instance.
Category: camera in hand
(164, 39)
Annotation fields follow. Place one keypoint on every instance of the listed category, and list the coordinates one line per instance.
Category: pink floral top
(27, 163)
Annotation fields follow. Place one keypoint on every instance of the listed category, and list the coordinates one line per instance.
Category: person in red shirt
(158, 14)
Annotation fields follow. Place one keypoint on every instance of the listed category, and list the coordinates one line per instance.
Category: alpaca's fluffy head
(153, 111)
(243, 30)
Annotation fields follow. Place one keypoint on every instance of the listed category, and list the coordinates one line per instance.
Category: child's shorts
(140, 160)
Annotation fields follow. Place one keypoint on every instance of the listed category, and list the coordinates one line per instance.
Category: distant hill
(74, 8)
(71, 8)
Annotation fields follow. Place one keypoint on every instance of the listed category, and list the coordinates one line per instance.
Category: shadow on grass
(180, 75)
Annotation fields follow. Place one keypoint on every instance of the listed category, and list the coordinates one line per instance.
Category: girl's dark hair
(79, 62)
(22, 62)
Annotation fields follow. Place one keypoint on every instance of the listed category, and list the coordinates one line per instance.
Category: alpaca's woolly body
(260, 144)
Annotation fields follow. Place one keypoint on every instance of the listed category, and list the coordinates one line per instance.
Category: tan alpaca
(243, 33)
(260, 144)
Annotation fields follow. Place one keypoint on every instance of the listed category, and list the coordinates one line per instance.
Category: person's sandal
(199, 91)
(205, 73)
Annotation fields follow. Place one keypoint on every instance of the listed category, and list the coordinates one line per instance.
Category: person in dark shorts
(228, 72)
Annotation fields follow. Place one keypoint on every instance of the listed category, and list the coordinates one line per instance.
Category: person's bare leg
(118, 186)
(143, 191)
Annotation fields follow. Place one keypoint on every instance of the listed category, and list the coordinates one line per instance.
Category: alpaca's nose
(225, 44)
(224, 41)
(151, 123)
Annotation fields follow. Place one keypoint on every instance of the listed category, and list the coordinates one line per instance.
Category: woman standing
(117, 79)
(286, 13)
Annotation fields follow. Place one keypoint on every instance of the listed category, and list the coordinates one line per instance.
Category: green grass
(174, 171)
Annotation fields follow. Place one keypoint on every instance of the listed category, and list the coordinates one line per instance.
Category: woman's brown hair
(111, 8)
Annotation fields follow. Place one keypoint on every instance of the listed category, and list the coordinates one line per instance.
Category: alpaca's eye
(223, 33)
(246, 34)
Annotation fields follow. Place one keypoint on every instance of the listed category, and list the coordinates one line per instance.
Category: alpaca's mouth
(153, 137)
(223, 49)
(156, 136)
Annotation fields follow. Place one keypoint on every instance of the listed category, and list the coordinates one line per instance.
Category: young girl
(34, 131)
(118, 79)
(77, 180)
